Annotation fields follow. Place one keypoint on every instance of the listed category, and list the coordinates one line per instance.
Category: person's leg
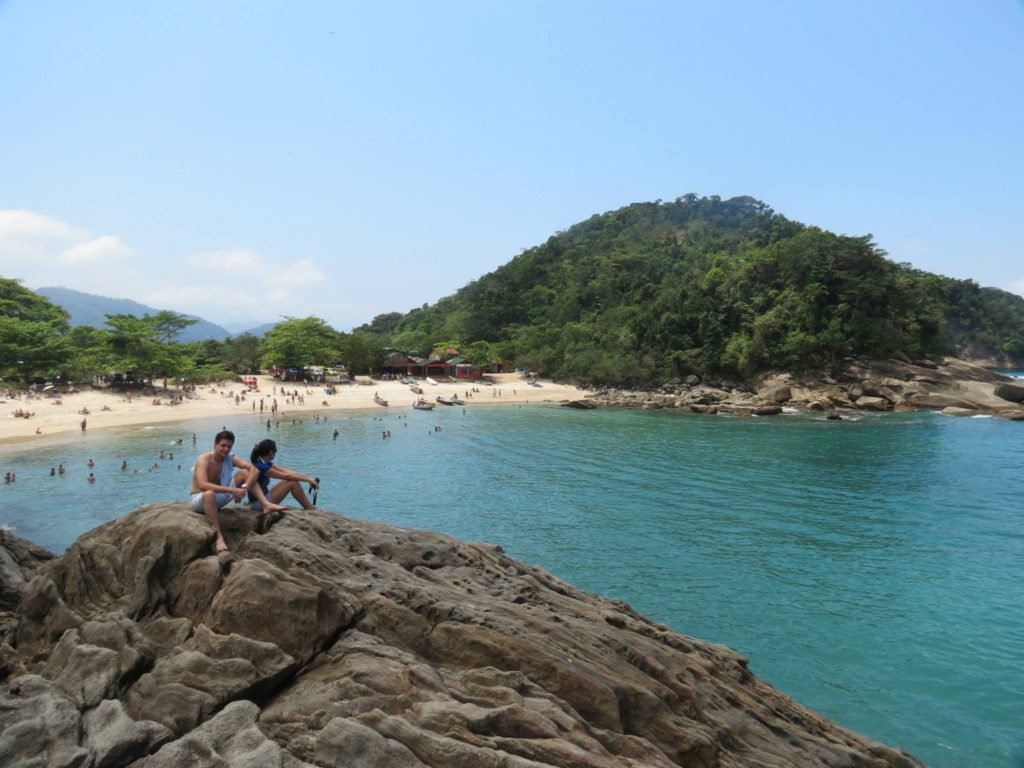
(250, 482)
(294, 487)
(212, 514)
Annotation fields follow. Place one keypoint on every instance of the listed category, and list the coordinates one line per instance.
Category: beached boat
(445, 400)
(431, 382)
(417, 389)
(380, 400)
(423, 405)
(456, 400)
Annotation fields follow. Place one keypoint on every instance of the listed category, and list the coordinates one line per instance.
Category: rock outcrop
(19, 560)
(332, 642)
(877, 385)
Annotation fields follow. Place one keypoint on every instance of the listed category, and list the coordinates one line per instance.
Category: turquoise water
(870, 569)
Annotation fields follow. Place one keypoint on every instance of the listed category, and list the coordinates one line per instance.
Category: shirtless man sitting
(213, 483)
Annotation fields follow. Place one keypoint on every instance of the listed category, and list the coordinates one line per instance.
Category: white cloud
(301, 273)
(1017, 287)
(234, 283)
(28, 225)
(256, 284)
(99, 249)
(41, 250)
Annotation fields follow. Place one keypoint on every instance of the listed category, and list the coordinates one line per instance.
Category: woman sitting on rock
(262, 458)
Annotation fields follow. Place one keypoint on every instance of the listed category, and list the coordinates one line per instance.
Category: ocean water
(872, 569)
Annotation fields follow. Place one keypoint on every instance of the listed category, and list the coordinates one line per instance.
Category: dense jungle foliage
(638, 296)
(655, 291)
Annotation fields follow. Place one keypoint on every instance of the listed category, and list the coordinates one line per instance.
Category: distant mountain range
(89, 309)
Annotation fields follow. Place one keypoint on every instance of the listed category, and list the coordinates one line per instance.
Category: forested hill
(654, 291)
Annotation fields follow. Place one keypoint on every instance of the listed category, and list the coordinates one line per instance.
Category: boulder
(1011, 415)
(329, 641)
(936, 400)
(777, 394)
(114, 738)
(1012, 392)
(40, 725)
(344, 742)
(231, 739)
(867, 403)
(954, 411)
(19, 561)
(768, 410)
(870, 388)
(583, 405)
(890, 394)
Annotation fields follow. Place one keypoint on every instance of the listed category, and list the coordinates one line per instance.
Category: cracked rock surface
(328, 641)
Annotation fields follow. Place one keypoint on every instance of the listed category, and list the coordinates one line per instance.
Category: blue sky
(243, 161)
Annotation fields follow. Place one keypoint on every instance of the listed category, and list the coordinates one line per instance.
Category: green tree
(90, 353)
(242, 353)
(361, 353)
(33, 332)
(143, 345)
(301, 341)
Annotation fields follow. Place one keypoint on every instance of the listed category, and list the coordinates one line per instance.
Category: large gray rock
(1012, 392)
(40, 726)
(940, 401)
(19, 560)
(231, 739)
(953, 411)
(345, 743)
(776, 393)
(328, 641)
(868, 403)
(114, 739)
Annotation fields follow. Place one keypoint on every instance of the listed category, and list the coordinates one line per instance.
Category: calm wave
(871, 569)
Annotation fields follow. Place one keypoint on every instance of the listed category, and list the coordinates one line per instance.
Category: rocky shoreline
(954, 387)
(331, 642)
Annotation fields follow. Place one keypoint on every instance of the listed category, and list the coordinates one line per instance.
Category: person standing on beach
(83, 426)
(214, 484)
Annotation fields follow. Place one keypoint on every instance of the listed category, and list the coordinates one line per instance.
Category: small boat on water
(431, 382)
(423, 405)
(445, 400)
(380, 400)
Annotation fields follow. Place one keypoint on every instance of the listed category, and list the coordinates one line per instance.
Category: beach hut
(398, 364)
(436, 368)
(465, 370)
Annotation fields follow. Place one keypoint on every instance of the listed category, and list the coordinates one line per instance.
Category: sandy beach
(112, 409)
